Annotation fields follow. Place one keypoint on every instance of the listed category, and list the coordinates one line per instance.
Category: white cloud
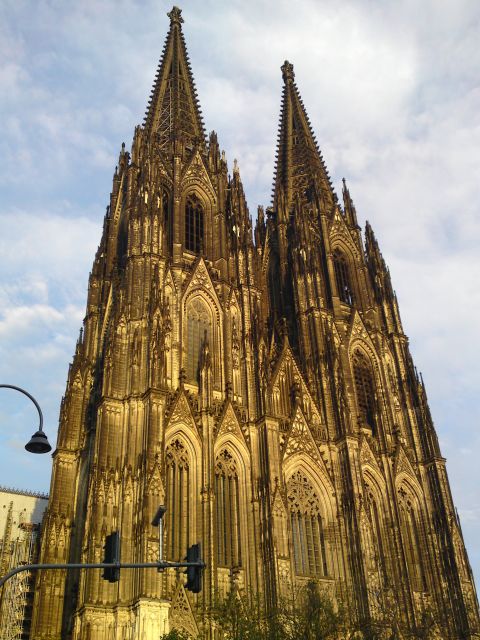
(45, 263)
(47, 245)
(19, 319)
(392, 92)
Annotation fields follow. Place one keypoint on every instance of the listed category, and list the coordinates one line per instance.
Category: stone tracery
(307, 527)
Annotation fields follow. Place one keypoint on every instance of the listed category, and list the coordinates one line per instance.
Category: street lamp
(38, 442)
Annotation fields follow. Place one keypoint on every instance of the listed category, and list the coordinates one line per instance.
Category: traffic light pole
(160, 566)
(194, 563)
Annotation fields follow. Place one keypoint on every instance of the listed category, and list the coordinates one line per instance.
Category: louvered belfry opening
(167, 218)
(198, 329)
(342, 277)
(194, 226)
(365, 389)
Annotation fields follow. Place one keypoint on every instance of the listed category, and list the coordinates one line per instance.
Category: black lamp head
(38, 443)
(159, 515)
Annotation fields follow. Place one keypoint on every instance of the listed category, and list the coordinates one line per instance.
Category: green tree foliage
(175, 634)
(309, 616)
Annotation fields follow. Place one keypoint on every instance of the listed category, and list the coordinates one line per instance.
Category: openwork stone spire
(299, 164)
(173, 111)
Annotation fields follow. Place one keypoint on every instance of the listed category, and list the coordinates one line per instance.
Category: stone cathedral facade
(256, 381)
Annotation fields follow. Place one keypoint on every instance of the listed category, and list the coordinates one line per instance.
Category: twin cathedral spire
(256, 381)
(173, 111)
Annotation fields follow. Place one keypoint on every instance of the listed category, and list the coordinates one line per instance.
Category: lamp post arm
(101, 565)
(11, 386)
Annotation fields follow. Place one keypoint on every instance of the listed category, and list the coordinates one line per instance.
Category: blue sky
(393, 95)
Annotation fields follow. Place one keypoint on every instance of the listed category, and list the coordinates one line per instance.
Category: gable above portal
(201, 280)
(299, 440)
(230, 423)
(285, 360)
(181, 414)
(367, 456)
(340, 234)
(402, 464)
(195, 173)
(358, 331)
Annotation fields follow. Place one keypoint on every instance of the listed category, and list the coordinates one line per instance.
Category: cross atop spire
(175, 16)
(173, 110)
(299, 166)
(287, 71)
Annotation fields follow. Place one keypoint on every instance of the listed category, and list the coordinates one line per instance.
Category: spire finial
(287, 71)
(175, 16)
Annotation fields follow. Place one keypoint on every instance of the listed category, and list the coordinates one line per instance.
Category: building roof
(25, 492)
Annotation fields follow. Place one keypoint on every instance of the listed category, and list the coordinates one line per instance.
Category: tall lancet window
(377, 531)
(307, 528)
(229, 547)
(194, 225)
(199, 327)
(365, 389)
(167, 218)
(342, 277)
(411, 541)
(178, 494)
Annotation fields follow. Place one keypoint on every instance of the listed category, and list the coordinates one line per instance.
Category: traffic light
(112, 554)
(194, 574)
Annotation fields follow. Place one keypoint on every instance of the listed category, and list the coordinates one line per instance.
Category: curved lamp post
(38, 442)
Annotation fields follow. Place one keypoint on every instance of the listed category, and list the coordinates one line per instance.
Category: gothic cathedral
(256, 381)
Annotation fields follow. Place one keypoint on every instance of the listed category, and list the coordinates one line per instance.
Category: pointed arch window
(365, 389)
(167, 218)
(178, 493)
(194, 225)
(377, 533)
(375, 519)
(411, 541)
(286, 383)
(199, 328)
(229, 544)
(342, 277)
(307, 528)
